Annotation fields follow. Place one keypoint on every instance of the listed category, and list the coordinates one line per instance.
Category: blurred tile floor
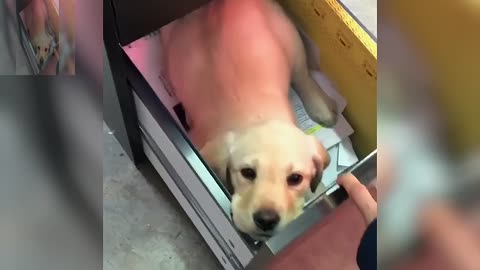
(19, 64)
(22, 64)
(145, 228)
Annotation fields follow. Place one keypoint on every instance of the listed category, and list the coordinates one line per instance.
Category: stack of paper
(336, 140)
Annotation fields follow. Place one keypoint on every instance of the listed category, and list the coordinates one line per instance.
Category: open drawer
(348, 56)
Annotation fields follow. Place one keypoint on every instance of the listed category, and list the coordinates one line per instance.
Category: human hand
(360, 196)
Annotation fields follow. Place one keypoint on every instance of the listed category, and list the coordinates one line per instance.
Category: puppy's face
(270, 168)
(41, 46)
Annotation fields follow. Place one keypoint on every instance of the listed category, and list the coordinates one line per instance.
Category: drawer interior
(348, 58)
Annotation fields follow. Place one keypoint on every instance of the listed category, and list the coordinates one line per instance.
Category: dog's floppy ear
(217, 154)
(321, 159)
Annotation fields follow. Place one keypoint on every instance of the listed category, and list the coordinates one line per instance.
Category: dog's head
(268, 168)
(41, 45)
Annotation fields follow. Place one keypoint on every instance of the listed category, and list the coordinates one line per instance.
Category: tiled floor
(22, 64)
(18, 64)
(144, 226)
(7, 62)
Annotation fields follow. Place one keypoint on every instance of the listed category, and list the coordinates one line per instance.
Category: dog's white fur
(36, 18)
(231, 63)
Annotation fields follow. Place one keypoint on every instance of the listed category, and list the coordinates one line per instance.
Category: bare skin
(451, 240)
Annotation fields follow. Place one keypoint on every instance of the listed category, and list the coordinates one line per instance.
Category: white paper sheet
(330, 173)
(328, 136)
(342, 157)
(346, 154)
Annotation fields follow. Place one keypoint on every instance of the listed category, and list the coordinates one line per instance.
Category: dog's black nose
(266, 219)
(41, 61)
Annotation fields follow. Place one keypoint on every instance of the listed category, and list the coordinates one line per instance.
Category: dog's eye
(248, 173)
(38, 48)
(294, 179)
(45, 49)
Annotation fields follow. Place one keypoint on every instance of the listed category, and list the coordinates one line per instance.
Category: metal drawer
(192, 183)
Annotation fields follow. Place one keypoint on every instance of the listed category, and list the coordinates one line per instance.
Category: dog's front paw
(323, 111)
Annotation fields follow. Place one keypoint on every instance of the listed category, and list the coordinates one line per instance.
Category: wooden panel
(349, 57)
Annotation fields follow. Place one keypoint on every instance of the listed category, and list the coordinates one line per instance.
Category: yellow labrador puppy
(36, 17)
(231, 63)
